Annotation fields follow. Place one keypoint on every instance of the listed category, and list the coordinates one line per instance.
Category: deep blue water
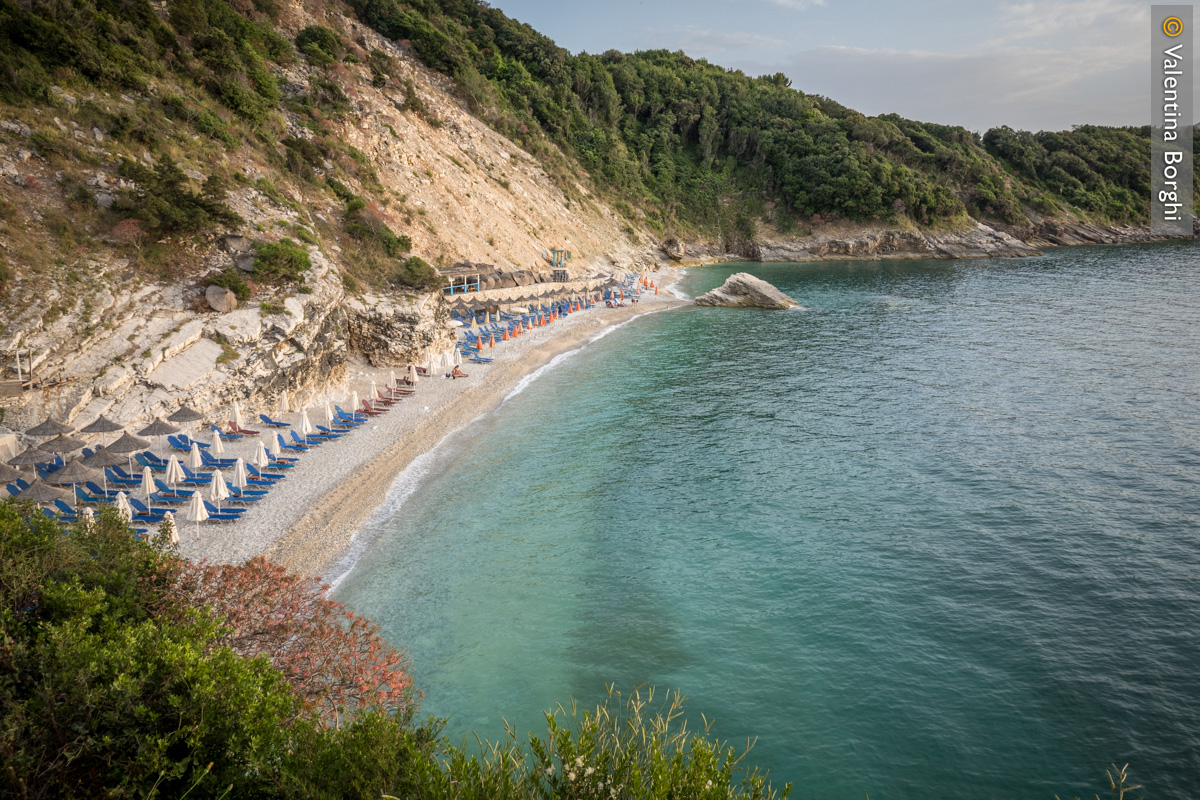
(936, 536)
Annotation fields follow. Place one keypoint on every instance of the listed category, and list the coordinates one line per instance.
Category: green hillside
(688, 142)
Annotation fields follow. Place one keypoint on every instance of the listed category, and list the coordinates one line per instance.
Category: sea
(937, 534)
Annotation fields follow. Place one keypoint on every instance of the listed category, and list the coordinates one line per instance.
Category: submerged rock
(743, 290)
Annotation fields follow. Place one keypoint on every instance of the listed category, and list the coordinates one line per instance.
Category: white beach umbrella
(240, 477)
(123, 507)
(284, 406)
(147, 487)
(412, 374)
(237, 415)
(457, 358)
(432, 368)
(305, 426)
(448, 358)
(328, 416)
(374, 392)
(169, 529)
(218, 447)
(89, 520)
(174, 472)
(393, 384)
(217, 490)
(260, 459)
(194, 460)
(276, 450)
(354, 402)
(196, 512)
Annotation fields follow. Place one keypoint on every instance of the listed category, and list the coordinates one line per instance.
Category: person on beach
(457, 373)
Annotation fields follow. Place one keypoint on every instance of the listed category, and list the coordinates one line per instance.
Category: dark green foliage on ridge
(162, 199)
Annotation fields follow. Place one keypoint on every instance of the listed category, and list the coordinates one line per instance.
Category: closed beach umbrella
(354, 402)
(457, 358)
(240, 476)
(196, 512)
(218, 447)
(88, 520)
(284, 406)
(50, 427)
(374, 391)
(260, 459)
(305, 426)
(328, 417)
(217, 490)
(62, 444)
(432, 366)
(393, 384)
(237, 415)
(174, 472)
(276, 450)
(169, 529)
(123, 507)
(194, 459)
(147, 487)
(412, 374)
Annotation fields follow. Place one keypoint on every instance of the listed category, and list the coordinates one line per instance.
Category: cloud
(698, 41)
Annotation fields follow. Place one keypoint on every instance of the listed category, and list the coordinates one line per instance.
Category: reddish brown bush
(335, 660)
(129, 231)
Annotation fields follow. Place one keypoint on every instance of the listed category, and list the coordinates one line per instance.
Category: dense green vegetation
(125, 672)
(688, 142)
(674, 143)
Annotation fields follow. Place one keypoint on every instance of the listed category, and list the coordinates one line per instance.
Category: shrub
(162, 200)
(319, 44)
(281, 262)
(232, 280)
(416, 273)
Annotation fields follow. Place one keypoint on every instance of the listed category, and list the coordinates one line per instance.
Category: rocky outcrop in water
(743, 290)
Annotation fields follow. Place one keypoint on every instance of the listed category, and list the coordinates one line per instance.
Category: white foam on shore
(673, 287)
(403, 487)
(561, 357)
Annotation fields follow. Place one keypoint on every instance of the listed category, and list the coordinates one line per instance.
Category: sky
(1041, 65)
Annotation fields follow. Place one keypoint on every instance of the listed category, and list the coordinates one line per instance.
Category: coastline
(310, 520)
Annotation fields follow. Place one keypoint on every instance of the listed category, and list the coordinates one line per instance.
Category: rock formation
(743, 290)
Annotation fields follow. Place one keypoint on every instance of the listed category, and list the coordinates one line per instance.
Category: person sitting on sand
(458, 373)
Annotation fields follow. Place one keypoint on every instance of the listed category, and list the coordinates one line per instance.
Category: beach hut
(196, 512)
(123, 508)
(217, 490)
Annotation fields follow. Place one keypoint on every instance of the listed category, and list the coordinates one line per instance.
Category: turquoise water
(936, 536)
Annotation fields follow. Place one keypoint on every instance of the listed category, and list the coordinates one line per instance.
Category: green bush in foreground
(115, 682)
(281, 262)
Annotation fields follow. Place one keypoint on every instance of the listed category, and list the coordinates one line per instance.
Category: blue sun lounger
(267, 420)
(292, 447)
(226, 435)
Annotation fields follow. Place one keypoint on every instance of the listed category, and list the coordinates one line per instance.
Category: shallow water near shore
(937, 536)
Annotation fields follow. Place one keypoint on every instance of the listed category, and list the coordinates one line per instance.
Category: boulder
(743, 290)
(235, 244)
(220, 298)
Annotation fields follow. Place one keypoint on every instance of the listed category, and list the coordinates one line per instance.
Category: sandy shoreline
(308, 520)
